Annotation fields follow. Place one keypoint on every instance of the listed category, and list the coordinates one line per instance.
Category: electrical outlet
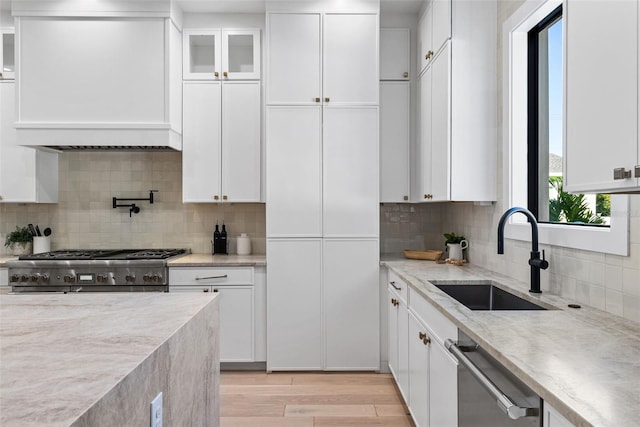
(156, 411)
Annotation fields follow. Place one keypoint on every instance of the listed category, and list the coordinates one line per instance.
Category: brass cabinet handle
(428, 196)
(425, 339)
(317, 99)
(225, 74)
(394, 302)
(224, 197)
(621, 173)
(637, 174)
(405, 74)
(217, 74)
(326, 100)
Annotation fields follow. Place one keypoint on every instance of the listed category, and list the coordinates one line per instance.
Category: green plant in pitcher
(21, 236)
(453, 238)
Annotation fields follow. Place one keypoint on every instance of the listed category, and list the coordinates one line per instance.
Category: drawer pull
(394, 286)
(215, 289)
(224, 276)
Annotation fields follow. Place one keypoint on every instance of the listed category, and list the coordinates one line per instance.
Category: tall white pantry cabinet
(322, 189)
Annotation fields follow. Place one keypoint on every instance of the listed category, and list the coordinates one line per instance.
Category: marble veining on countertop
(5, 258)
(208, 260)
(60, 353)
(584, 362)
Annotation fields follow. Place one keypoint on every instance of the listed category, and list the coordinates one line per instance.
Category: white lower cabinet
(425, 372)
(294, 304)
(552, 418)
(4, 277)
(241, 307)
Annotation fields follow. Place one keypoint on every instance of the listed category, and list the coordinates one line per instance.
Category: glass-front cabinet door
(214, 54)
(202, 55)
(7, 54)
(241, 54)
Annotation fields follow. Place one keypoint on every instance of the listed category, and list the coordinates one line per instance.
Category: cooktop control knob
(25, 278)
(15, 277)
(157, 277)
(130, 278)
(147, 277)
(35, 277)
(44, 277)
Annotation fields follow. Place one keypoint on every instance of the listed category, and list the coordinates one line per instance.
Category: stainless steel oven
(111, 270)
(488, 394)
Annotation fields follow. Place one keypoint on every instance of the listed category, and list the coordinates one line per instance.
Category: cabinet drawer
(442, 327)
(396, 282)
(210, 276)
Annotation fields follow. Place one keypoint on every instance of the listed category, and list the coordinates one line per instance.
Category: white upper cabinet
(350, 60)
(294, 159)
(293, 58)
(7, 54)
(26, 175)
(458, 118)
(314, 58)
(433, 30)
(394, 141)
(350, 172)
(394, 54)
(221, 142)
(227, 54)
(602, 149)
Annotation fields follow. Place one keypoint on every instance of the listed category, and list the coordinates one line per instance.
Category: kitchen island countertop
(584, 362)
(208, 260)
(5, 258)
(100, 358)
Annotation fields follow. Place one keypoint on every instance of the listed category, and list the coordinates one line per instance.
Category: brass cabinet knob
(426, 56)
(327, 99)
(430, 53)
(225, 74)
(406, 197)
(405, 74)
(428, 196)
(224, 197)
(422, 335)
(217, 74)
(621, 173)
(317, 99)
(216, 197)
(205, 290)
(394, 302)
(215, 290)
(426, 340)
(0, 197)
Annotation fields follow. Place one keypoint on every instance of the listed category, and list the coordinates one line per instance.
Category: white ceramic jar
(244, 244)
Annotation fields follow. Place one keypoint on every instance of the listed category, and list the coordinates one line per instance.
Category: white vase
(455, 249)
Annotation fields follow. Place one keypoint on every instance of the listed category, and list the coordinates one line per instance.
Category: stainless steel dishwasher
(488, 394)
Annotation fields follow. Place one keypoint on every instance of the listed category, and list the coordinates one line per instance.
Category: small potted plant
(19, 241)
(455, 245)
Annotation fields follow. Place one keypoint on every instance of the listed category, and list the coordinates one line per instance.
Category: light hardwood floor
(292, 399)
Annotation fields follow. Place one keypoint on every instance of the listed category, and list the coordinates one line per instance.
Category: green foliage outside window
(567, 207)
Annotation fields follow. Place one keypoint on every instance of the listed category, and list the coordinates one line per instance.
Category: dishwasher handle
(504, 402)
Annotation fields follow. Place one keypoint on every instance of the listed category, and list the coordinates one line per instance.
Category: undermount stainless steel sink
(485, 296)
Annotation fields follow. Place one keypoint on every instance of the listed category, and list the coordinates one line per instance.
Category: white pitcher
(455, 249)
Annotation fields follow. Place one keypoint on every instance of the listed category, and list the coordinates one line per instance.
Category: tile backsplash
(410, 226)
(84, 217)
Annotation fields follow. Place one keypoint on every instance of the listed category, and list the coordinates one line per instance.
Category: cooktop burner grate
(98, 254)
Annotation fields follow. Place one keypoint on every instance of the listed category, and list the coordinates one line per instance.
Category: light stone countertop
(5, 258)
(208, 260)
(584, 362)
(61, 353)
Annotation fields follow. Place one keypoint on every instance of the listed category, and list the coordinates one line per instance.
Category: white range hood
(108, 77)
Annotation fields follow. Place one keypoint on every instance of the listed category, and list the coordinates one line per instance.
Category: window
(547, 199)
(533, 135)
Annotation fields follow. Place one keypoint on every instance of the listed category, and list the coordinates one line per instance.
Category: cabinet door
(241, 54)
(393, 305)
(423, 161)
(350, 60)
(241, 169)
(294, 174)
(394, 141)
(601, 112)
(440, 24)
(394, 54)
(424, 39)
(294, 304)
(443, 387)
(26, 174)
(236, 324)
(441, 124)
(201, 55)
(201, 145)
(7, 54)
(552, 418)
(350, 172)
(293, 59)
(418, 373)
(351, 304)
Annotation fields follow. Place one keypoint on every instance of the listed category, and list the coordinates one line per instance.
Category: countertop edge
(208, 260)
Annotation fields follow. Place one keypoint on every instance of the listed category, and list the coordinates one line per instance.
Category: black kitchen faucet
(535, 261)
